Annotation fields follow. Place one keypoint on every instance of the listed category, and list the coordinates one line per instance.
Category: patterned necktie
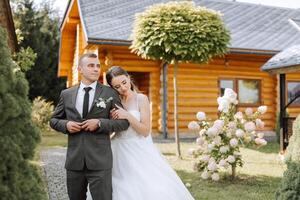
(86, 102)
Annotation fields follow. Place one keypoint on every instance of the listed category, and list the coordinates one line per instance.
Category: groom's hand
(73, 127)
(90, 125)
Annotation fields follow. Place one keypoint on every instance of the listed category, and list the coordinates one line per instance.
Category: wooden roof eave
(11, 24)
(283, 69)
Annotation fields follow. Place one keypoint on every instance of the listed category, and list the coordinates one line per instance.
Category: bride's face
(121, 84)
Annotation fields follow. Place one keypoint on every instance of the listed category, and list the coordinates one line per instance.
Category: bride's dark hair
(118, 71)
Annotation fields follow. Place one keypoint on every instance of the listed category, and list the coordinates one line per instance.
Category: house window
(226, 84)
(293, 91)
(248, 90)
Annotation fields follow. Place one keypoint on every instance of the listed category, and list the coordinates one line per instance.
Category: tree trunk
(164, 100)
(233, 173)
(175, 110)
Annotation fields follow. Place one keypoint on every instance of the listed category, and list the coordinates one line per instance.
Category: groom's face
(90, 69)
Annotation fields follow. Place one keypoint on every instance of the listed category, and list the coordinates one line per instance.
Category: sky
(61, 4)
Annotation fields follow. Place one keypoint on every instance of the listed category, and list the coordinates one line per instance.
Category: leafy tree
(38, 28)
(179, 32)
(18, 137)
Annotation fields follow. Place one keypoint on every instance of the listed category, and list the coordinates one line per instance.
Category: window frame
(235, 88)
(287, 94)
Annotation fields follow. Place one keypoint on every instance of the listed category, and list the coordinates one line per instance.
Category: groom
(83, 113)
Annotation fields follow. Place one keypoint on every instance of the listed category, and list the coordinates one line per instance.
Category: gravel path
(53, 164)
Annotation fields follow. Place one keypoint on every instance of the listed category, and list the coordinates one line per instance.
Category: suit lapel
(74, 95)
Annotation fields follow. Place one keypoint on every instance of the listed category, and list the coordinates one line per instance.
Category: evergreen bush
(289, 188)
(18, 136)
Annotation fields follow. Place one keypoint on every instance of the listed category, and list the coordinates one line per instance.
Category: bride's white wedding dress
(140, 172)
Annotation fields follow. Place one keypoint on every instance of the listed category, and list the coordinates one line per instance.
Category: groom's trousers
(99, 181)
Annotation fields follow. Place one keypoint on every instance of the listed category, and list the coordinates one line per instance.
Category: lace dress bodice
(130, 132)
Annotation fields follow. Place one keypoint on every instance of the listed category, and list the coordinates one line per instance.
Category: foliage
(18, 136)
(220, 141)
(290, 184)
(38, 28)
(41, 113)
(179, 31)
(25, 58)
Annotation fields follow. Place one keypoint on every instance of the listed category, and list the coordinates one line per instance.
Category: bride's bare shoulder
(142, 98)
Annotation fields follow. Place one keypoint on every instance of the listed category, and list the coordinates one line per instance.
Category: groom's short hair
(86, 55)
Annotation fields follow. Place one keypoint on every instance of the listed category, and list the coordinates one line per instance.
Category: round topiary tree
(290, 184)
(179, 32)
(18, 137)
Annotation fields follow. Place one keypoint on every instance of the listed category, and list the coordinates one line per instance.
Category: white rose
(224, 149)
(101, 104)
(212, 166)
(231, 159)
(250, 126)
(200, 141)
(262, 109)
(223, 163)
(239, 133)
(201, 116)
(215, 177)
(248, 111)
(228, 134)
(217, 140)
(205, 175)
(231, 125)
(260, 141)
(210, 147)
(211, 132)
(193, 125)
(218, 124)
(247, 139)
(233, 142)
(238, 115)
(230, 94)
(205, 158)
(260, 124)
(212, 160)
(223, 104)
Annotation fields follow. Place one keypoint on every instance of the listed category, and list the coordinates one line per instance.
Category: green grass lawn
(258, 179)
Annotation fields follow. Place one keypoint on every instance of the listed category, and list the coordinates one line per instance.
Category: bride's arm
(143, 126)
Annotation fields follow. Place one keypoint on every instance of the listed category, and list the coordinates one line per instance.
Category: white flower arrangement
(219, 142)
(100, 102)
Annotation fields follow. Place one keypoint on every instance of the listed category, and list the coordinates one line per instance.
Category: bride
(139, 170)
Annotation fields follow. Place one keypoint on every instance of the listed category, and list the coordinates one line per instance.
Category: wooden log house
(258, 32)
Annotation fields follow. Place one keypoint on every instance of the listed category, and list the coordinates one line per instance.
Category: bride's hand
(119, 113)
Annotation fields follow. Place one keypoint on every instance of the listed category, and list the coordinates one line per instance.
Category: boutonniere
(100, 102)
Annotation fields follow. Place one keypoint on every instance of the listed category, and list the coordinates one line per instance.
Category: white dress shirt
(80, 96)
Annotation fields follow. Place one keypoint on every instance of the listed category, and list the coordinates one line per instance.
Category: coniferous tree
(18, 137)
(290, 185)
(39, 30)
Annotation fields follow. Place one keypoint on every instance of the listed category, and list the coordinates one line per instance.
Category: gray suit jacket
(90, 148)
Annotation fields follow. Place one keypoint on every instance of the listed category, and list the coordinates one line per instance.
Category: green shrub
(41, 113)
(18, 136)
(290, 185)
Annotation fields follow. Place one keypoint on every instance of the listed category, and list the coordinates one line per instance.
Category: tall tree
(39, 29)
(18, 137)
(179, 32)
